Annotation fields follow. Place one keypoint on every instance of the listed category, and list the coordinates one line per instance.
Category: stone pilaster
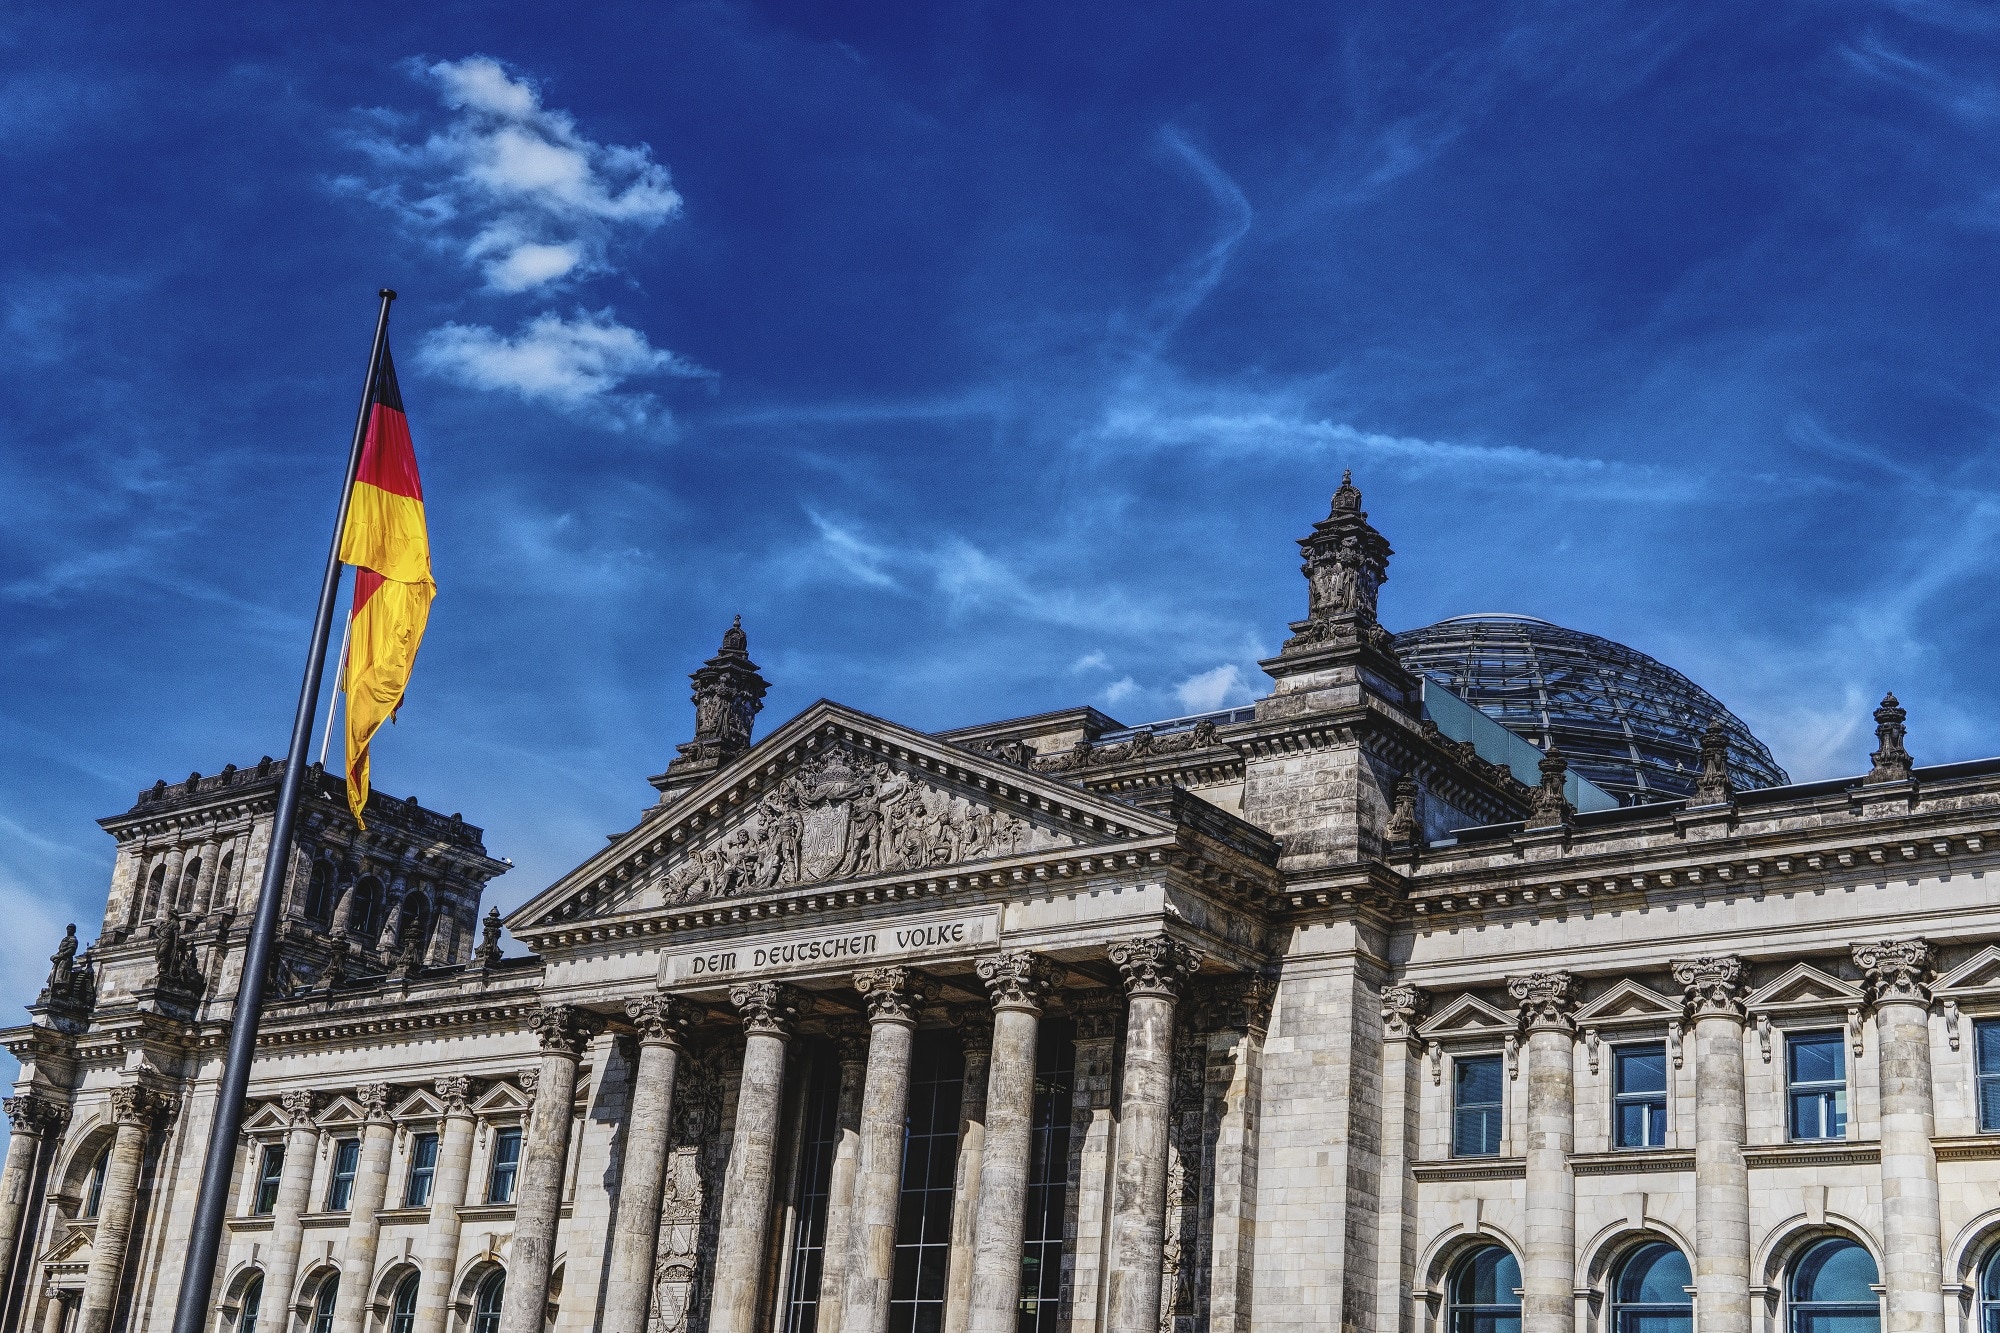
(565, 1030)
(281, 1271)
(135, 1108)
(1403, 1008)
(36, 1118)
(852, 1049)
(1019, 984)
(1236, 1019)
(662, 1022)
(769, 1009)
(1548, 1260)
(1153, 971)
(364, 1221)
(1899, 974)
(449, 1182)
(1093, 1133)
(975, 1037)
(893, 995)
(1714, 987)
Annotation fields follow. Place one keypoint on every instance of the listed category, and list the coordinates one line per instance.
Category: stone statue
(62, 963)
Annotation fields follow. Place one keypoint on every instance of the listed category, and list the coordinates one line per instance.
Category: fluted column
(135, 1108)
(1153, 970)
(769, 1009)
(662, 1021)
(565, 1030)
(36, 1118)
(975, 1038)
(1019, 984)
(364, 1209)
(448, 1187)
(1898, 981)
(1714, 987)
(1548, 1242)
(852, 1048)
(892, 995)
(281, 1271)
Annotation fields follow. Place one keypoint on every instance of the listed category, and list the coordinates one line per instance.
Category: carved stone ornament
(1241, 1003)
(1346, 564)
(1896, 970)
(1546, 1000)
(374, 1099)
(37, 1114)
(1143, 745)
(769, 1008)
(487, 955)
(850, 1044)
(894, 994)
(565, 1029)
(661, 1018)
(1403, 822)
(1155, 966)
(1549, 807)
(530, 1081)
(1403, 1008)
(137, 1104)
(1016, 980)
(975, 1031)
(1891, 759)
(1714, 984)
(298, 1105)
(728, 695)
(455, 1091)
(1714, 786)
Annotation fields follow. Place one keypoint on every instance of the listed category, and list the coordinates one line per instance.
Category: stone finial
(1016, 980)
(728, 695)
(487, 955)
(374, 1099)
(1714, 786)
(1155, 966)
(1403, 1008)
(894, 994)
(299, 1105)
(1549, 807)
(1346, 563)
(455, 1091)
(1713, 984)
(662, 1019)
(1546, 999)
(565, 1029)
(36, 1113)
(1897, 970)
(1892, 761)
(769, 1008)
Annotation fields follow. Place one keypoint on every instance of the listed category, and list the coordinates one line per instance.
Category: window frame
(341, 1171)
(485, 1308)
(247, 1303)
(1986, 1294)
(269, 1181)
(494, 1166)
(402, 1313)
(1662, 1098)
(420, 1170)
(323, 1303)
(1984, 1078)
(1497, 1108)
(1795, 1308)
(1838, 1090)
(1456, 1310)
(93, 1186)
(1620, 1308)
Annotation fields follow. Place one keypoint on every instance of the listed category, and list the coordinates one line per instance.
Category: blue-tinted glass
(1477, 1079)
(1838, 1271)
(1818, 1057)
(1488, 1277)
(1656, 1275)
(1837, 1321)
(1477, 1089)
(1989, 1048)
(1631, 1125)
(1990, 1287)
(253, 1296)
(1655, 1321)
(1642, 1069)
(340, 1193)
(1475, 1132)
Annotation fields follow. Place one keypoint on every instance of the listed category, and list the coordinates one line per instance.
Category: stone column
(975, 1038)
(57, 1311)
(852, 1048)
(1714, 987)
(1153, 970)
(364, 1208)
(170, 898)
(1899, 974)
(36, 1117)
(565, 1030)
(448, 1187)
(893, 995)
(281, 1270)
(1548, 1241)
(1237, 1017)
(769, 1009)
(1402, 1065)
(204, 892)
(662, 1021)
(1019, 983)
(1093, 1137)
(134, 1107)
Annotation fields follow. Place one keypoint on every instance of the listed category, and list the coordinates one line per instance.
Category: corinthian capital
(1546, 1000)
(893, 993)
(769, 1008)
(1016, 980)
(1402, 1007)
(661, 1019)
(565, 1029)
(137, 1104)
(1713, 984)
(37, 1114)
(1897, 970)
(374, 1099)
(298, 1107)
(1155, 966)
(455, 1091)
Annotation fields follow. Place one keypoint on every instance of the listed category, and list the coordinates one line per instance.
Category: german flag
(387, 542)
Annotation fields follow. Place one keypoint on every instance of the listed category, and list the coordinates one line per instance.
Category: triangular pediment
(1628, 1002)
(419, 1105)
(266, 1118)
(1979, 973)
(341, 1109)
(833, 796)
(1468, 1015)
(74, 1249)
(500, 1098)
(1804, 986)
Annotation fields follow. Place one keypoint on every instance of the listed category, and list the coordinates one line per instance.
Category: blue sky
(986, 359)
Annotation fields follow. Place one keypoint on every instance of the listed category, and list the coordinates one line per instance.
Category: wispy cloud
(580, 364)
(1213, 689)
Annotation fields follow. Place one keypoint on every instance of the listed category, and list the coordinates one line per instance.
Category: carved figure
(63, 962)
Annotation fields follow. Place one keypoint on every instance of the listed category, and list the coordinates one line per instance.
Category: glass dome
(1630, 724)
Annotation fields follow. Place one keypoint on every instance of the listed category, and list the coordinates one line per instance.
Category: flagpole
(339, 688)
(198, 1276)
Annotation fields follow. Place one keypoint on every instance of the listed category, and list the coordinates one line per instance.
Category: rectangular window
(1986, 1043)
(340, 1189)
(506, 1165)
(930, 1175)
(1478, 1087)
(1816, 1083)
(423, 1168)
(1639, 1096)
(1048, 1178)
(819, 1136)
(270, 1170)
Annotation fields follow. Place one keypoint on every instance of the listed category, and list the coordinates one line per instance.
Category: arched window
(253, 1296)
(190, 879)
(156, 884)
(415, 925)
(366, 917)
(1485, 1293)
(219, 895)
(329, 1291)
(486, 1309)
(403, 1314)
(1651, 1295)
(1830, 1290)
(93, 1192)
(1989, 1295)
(319, 893)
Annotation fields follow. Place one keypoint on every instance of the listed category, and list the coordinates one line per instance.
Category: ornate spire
(1714, 786)
(1346, 563)
(1892, 761)
(1551, 808)
(728, 695)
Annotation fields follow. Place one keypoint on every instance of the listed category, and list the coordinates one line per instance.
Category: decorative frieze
(1403, 1007)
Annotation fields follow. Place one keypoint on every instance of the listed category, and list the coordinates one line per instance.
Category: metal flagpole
(339, 688)
(198, 1277)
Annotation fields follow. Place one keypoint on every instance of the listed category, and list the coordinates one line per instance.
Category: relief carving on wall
(690, 1207)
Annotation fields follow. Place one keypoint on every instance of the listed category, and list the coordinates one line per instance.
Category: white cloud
(861, 559)
(578, 364)
(1095, 661)
(1214, 689)
(1118, 691)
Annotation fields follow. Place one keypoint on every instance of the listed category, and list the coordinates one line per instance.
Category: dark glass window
(403, 1314)
(1484, 1293)
(270, 1171)
(1986, 1043)
(365, 918)
(340, 1188)
(930, 1170)
(329, 1291)
(1639, 1095)
(819, 1136)
(319, 893)
(1816, 1079)
(423, 1170)
(486, 1309)
(246, 1309)
(1652, 1292)
(1830, 1290)
(1048, 1178)
(1989, 1295)
(1478, 1087)
(93, 1193)
(506, 1165)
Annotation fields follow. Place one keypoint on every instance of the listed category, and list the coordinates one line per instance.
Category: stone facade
(1301, 1016)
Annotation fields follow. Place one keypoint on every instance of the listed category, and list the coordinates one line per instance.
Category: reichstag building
(1486, 978)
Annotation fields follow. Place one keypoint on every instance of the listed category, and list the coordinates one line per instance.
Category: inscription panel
(807, 953)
